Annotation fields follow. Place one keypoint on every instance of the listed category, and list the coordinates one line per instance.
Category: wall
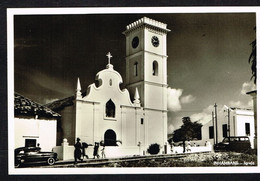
(47, 134)
(35, 129)
(161, 78)
(114, 152)
(179, 149)
(205, 134)
(155, 127)
(86, 120)
(68, 124)
(161, 49)
(241, 129)
(130, 127)
(66, 151)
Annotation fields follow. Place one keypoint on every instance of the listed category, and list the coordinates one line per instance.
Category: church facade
(106, 113)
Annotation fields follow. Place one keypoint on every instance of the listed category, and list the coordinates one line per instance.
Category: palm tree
(252, 59)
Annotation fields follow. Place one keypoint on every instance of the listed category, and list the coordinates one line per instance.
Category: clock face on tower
(155, 41)
(135, 42)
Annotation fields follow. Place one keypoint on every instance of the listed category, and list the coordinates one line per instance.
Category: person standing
(84, 147)
(103, 152)
(38, 147)
(188, 146)
(95, 153)
(77, 151)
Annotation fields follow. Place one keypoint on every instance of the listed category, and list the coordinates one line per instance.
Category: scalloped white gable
(108, 88)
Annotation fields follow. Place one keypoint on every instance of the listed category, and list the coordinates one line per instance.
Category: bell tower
(146, 62)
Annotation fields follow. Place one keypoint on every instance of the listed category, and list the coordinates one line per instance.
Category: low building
(254, 97)
(34, 124)
(240, 121)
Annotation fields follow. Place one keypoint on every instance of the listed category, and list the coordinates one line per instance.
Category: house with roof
(234, 122)
(34, 124)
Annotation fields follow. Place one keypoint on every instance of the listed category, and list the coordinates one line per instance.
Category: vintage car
(33, 154)
(234, 143)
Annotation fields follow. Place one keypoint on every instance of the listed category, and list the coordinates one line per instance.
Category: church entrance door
(110, 138)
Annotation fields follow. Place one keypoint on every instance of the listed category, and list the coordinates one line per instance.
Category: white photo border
(11, 12)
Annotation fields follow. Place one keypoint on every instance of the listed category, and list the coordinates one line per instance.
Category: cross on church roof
(109, 56)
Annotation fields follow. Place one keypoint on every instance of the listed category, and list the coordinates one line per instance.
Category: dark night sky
(207, 63)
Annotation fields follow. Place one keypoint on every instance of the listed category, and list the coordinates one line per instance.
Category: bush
(154, 149)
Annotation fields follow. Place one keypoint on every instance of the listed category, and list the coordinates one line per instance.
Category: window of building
(30, 142)
(142, 120)
(211, 132)
(155, 68)
(199, 134)
(224, 130)
(110, 109)
(136, 69)
(247, 125)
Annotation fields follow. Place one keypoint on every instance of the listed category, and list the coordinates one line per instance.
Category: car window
(225, 140)
(31, 150)
(244, 139)
(236, 139)
(19, 152)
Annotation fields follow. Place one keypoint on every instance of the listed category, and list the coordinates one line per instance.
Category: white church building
(107, 114)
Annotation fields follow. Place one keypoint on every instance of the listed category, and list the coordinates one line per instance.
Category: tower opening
(135, 69)
(155, 68)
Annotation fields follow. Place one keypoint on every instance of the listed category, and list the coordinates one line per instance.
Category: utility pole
(229, 123)
(229, 126)
(216, 122)
(213, 127)
(228, 110)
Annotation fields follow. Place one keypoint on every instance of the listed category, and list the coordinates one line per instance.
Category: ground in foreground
(195, 160)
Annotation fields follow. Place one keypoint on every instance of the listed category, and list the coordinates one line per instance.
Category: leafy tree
(188, 131)
(252, 59)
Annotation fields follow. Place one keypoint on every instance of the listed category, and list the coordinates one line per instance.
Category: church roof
(26, 107)
(60, 104)
(252, 92)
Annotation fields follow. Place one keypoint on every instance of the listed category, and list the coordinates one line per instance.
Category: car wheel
(51, 161)
(17, 164)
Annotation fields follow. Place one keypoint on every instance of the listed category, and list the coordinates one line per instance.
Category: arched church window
(110, 109)
(155, 68)
(135, 69)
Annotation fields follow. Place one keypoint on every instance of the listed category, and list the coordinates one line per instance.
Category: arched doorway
(110, 138)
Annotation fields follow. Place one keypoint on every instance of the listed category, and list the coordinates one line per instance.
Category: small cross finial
(109, 56)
